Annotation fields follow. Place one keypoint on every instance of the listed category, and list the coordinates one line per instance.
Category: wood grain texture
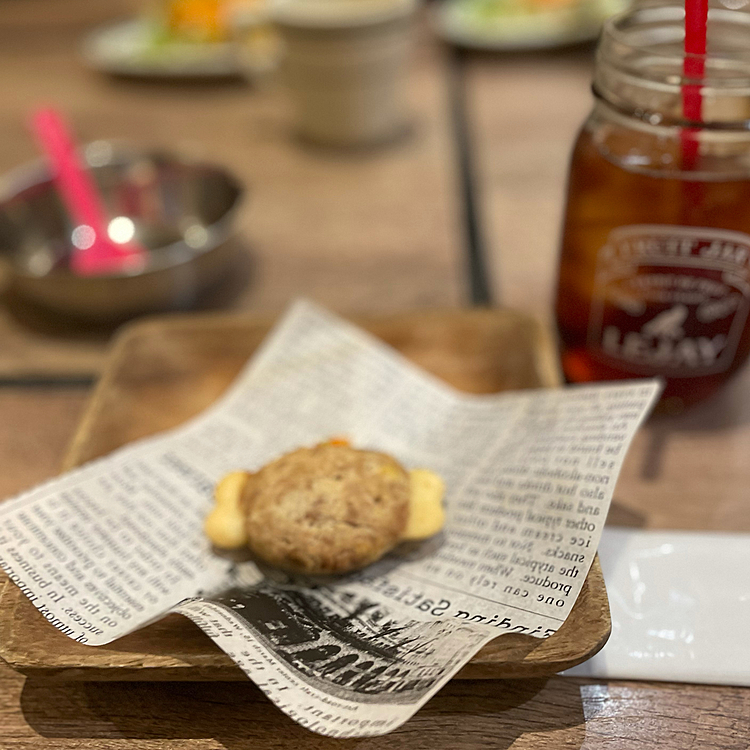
(533, 714)
(35, 426)
(364, 231)
(165, 371)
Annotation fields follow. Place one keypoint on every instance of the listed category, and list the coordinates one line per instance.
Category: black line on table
(48, 381)
(479, 288)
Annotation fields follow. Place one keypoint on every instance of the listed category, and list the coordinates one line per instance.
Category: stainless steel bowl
(179, 209)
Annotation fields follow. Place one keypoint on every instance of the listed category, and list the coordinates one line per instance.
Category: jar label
(670, 300)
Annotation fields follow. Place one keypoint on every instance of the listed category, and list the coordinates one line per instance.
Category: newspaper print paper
(111, 546)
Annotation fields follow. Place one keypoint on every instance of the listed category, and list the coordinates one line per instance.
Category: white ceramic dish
(458, 22)
(128, 48)
(680, 605)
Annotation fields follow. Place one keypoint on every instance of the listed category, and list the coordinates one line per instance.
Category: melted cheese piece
(225, 524)
(426, 514)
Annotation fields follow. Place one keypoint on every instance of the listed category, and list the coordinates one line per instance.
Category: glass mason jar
(655, 259)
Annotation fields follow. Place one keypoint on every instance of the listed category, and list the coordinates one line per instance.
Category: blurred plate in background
(508, 25)
(137, 48)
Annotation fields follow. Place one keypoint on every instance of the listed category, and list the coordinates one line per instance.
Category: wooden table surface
(366, 232)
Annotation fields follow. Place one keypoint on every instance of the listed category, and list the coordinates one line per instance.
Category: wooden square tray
(167, 369)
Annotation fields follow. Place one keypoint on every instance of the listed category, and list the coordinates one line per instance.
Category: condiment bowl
(180, 209)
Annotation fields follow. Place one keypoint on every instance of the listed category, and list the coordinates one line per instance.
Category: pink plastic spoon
(95, 253)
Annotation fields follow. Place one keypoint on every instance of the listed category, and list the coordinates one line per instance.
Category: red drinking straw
(693, 70)
(77, 189)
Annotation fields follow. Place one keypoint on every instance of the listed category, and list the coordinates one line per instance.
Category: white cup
(344, 64)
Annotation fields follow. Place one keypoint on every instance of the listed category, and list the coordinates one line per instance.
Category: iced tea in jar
(655, 259)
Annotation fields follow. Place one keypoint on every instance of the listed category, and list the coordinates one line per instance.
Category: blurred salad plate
(508, 25)
(142, 48)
